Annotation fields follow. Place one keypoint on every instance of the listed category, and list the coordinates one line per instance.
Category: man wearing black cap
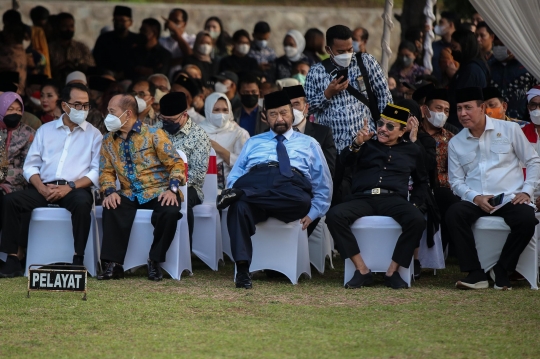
(496, 106)
(226, 83)
(380, 181)
(192, 89)
(280, 173)
(189, 138)
(112, 47)
(150, 171)
(485, 161)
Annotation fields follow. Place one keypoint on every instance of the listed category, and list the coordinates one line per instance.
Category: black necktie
(283, 157)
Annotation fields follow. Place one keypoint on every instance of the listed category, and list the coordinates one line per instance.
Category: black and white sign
(57, 278)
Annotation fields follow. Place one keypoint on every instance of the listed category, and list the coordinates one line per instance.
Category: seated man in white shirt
(61, 165)
(484, 161)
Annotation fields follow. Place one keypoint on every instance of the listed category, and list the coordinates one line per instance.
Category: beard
(280, 128)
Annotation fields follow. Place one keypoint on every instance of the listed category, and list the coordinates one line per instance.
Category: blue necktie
(283, 157)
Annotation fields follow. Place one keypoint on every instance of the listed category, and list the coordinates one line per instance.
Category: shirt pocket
(502, 154)
(466, 161)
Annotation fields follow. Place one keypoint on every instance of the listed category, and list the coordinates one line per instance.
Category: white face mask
(260, 102)
(218, 119)
(159, 95)
(141, 104)
(221, 88)
(298, 117)
(343, 60)
(242, 48)
(205, 49)
(290, 51)
(113, 123)
(500, 53)
(535, 117)
(77, 116)
(214, 34)
(437, 119)
(440, 30)
(261, 43)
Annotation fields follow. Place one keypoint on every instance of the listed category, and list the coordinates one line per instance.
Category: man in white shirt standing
(61, 165)
(484, 161)
(180, 43)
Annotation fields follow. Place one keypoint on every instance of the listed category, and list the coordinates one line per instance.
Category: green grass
(204, 316)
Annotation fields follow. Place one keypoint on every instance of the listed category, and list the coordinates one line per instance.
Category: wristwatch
(173, 189)
(72, 185)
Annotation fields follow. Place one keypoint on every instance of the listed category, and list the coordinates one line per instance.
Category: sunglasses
(389, 126)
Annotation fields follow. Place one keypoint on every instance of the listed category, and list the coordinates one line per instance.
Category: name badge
(57, 278)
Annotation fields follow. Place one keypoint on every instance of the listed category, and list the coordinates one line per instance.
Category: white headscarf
(300, 43)
(209, 104)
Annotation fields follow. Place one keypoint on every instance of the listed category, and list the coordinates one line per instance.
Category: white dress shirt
(490, 165)
(60, 154)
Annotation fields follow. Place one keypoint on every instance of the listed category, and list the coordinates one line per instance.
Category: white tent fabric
(429, 36)
(385, 41)
(516, 23)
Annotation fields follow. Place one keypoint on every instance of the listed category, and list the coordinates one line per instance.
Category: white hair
(161, 76)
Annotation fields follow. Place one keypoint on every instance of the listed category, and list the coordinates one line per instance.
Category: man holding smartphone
(484, 162)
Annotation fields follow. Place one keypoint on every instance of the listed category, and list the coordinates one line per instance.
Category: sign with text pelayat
(57, 278)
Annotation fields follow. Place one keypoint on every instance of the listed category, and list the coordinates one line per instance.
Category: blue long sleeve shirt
(305, 155)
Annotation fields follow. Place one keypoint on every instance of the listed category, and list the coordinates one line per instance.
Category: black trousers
(461, 216)
(445, 198)
(117, 225)
(340, 218)
(18, 207)
(193, 200)
(267, 194)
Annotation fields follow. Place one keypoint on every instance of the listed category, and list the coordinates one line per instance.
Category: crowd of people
(319, 132)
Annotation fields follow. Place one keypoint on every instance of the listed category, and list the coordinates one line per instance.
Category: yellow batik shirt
(146, 164)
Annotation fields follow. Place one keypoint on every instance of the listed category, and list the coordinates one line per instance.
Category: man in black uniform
(381, 172)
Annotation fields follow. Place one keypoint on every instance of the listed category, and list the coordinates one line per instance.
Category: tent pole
(385, 42)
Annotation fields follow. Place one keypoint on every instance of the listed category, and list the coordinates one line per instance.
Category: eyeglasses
(274, 115)
(141, 94)
(389, 126)
(161, 118)
(533, 106)
(80, 106)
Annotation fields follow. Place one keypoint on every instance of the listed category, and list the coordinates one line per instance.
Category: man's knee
(81, 200)
(334, 216)
(455, 213)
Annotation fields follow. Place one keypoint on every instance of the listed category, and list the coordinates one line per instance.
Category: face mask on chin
(535, 116)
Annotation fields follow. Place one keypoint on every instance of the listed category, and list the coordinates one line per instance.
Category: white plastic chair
(207, 243)
(490, 234)
(320, 246)
(282, 247)
(377, 237)
(178, 256)
(50, 239)
(225, 239)
(431, 257)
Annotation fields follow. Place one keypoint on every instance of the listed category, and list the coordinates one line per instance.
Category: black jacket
(323, 135)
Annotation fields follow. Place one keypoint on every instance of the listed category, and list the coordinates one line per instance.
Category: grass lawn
(205, 316)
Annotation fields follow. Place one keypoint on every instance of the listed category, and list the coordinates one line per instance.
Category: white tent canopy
(516, 23)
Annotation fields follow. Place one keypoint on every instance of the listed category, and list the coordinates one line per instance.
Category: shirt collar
(137, 127)
(60, 123)
(287, 134)
(489, 126)
(187, 127)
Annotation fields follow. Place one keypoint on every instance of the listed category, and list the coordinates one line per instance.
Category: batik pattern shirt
(146, 164)
(343, 113)
(265, 55)
(442, 138)
(194, 142)
(17, 142)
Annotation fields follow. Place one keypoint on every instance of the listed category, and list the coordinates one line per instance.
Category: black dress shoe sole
(11, 275)
(244, 285)
(224, 201)
(368, 283)
(155, 279)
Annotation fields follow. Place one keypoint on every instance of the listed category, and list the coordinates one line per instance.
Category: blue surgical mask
(356, 46)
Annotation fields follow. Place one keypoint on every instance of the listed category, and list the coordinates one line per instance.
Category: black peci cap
(173, 103)
(396, 113)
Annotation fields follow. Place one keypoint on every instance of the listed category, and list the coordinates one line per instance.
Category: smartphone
(497, 200)
(344, 73)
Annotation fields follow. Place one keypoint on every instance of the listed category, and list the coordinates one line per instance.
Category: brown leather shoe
(112, 271)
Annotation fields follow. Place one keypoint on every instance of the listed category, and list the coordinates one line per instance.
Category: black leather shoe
(154, 271)
(417, 269)
(12, 268)
(111, 271)
(243, 280)
(228, 197)
(395, 281)
(360, 280)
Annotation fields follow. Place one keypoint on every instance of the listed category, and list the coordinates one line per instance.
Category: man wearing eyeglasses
(281, 174)
(485, 160)
(61, 165)
(380, 187)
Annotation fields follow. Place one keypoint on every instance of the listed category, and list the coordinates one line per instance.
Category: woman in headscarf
(15, 141)
(202, 49)
(294, 44)
(226, 137)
